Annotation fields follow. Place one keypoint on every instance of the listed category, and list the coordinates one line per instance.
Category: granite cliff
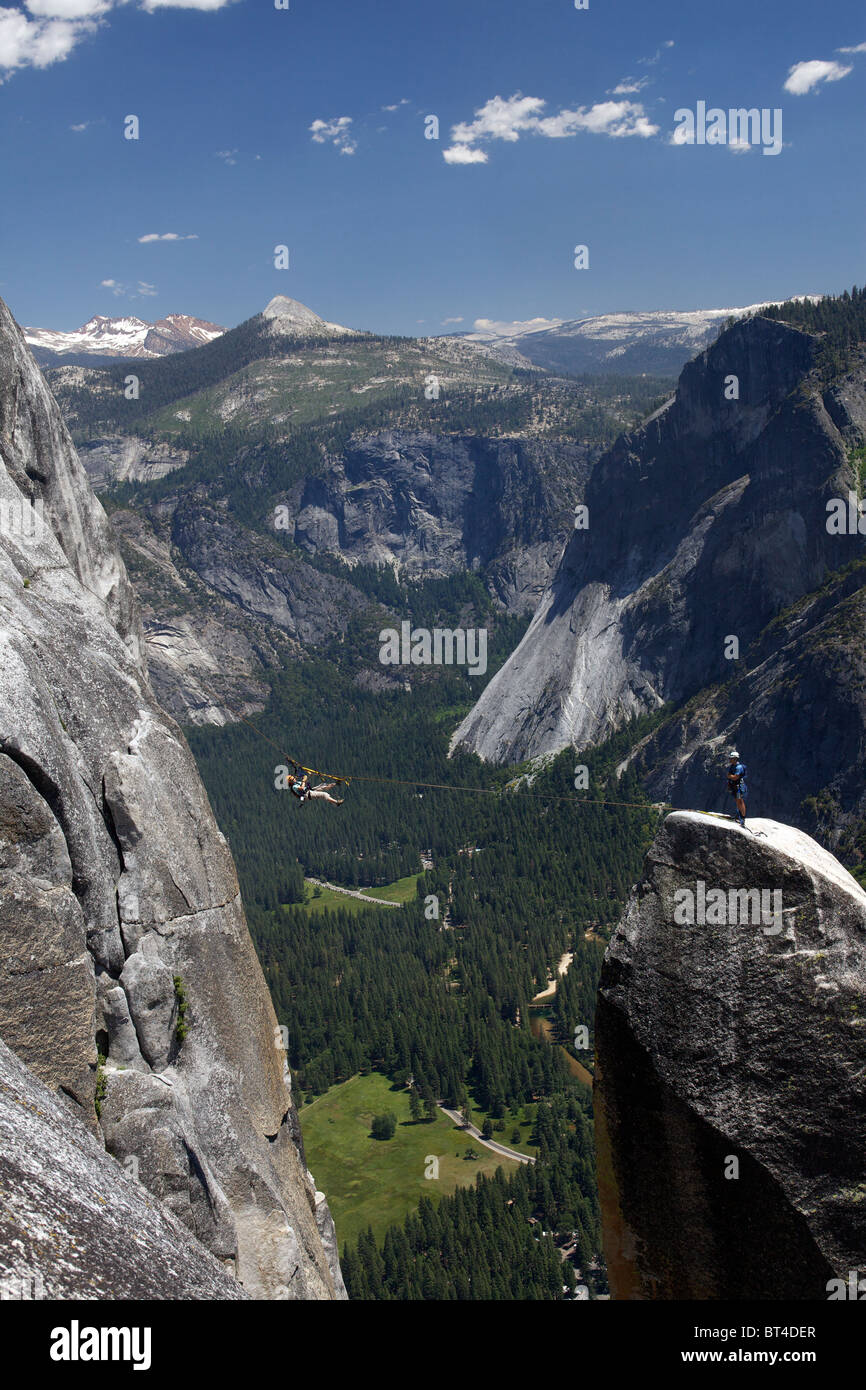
(224, 602)
(704, 525)
(74, 1223)
(122, 933)
(729, 1084)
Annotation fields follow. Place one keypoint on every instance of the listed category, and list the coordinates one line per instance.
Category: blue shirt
(738, 770)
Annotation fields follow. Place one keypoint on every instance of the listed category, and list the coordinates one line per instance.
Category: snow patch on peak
(126, 336)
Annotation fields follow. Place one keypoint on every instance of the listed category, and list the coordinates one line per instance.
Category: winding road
(476, 1134)
(352, 893)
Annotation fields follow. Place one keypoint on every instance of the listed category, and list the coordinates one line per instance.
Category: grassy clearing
(326, 900)
(403, 891)
(376, 1183)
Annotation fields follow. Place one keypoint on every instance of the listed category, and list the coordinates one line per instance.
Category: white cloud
(68, 9)
(802, 77)
(464, 154)
(739, 145)
(507, 119)
(499, 119)
(142, 290)
(613, 118)
(336, 132)
(39, 42)
(858, 48)
(651, 62)
(78, 128)
(458, 319)
(168, 236)
(628, 86)
(227, 155)
(152, 5)
(53, 28)
(404, 101)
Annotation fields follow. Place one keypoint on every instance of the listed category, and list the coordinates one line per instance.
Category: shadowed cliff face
(222, 603)
(797, 712)
(432, 505)
(115, 883)
(723, 1040)
(703, 524)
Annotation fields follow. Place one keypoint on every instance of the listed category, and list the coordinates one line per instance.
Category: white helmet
(734, 754)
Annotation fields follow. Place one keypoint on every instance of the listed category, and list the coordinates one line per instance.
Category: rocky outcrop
(261, 577)
(702, 526)
(74, 1223)
(128, 458)
(288, 318)
(120, 915)
(729, 1085)
(206, 655)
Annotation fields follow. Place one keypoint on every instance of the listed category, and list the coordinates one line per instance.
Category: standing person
(737, 784)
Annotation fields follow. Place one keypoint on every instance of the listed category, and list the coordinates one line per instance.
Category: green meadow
(326, 900)
(377, 1182)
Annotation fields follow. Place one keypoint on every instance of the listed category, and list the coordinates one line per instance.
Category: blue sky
(261, 127)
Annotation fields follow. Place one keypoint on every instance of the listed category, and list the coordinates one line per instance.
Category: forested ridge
(839, 319)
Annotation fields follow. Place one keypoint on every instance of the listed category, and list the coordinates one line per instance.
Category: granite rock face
(431, 505)
(797, 713)
(729, 1093)
(127, 458)
(74, 1223)
(703, 525)
(223, 603)
(118, 892)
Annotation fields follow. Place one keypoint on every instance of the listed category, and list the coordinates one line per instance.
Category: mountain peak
(292, 319)
(122, 336)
